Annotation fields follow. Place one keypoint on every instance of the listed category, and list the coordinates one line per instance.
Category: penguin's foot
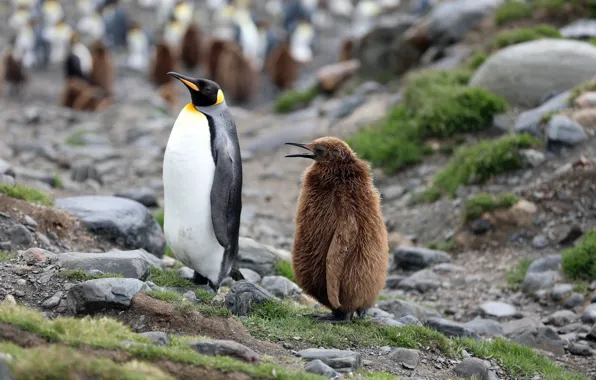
(334, 317)
(361, 313)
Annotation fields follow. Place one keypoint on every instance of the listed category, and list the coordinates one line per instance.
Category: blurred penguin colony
(233, 42)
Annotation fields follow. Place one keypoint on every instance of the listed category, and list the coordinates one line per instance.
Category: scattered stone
(84, 171)
(29, 222)
(125, 222)
(7, 180)
(450, 328)
(19, 235)
(448, 268)
(393, 192)
(386, 321)
(34, 256)
(130, 264)
(474, 368)
(561, 318)
(413, 258)
(6, 169)
(402, 309)
(243, 296)
(560, 291)
(144, 195)
(574, 300)
(485, 327)
(586, 100)
(514, 326)
(409, 320)
(589, 315)
(158, 338)
(544, 338)
(280, 286)
(343, 361)
(546, 264)
(94, 295)
(529, 121)
(533, 157)
(592, 334)
(422, 281)
(580, 349)
(53, 301)
(564, 130)
(250, 275)
(407, 358)
(331, 76)
(186, 273)
(571, 234)
(319, 368)
(259, 257)
(535, 281)
(226, 348)
(9, 300)
(498, 309)
(393, 280)
(374, 312)
(540, 242)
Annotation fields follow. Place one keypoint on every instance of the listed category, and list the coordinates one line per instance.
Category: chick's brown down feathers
(340, 251)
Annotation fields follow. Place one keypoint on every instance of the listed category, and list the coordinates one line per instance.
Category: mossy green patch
(578, 90)
(58, 183)
(446, 246)
(516, 275)
(512, 10)
(479, 162)
(481, 203)
(81, 275)
(159, 216)
(76, 139)
(26, 193)
(5, 256)
(582, 288)
(579, 262)
(475, 60)
(184, 306)
(168, 278)
(284, 268)
(294, 100)
(519, 35)
(204, 296)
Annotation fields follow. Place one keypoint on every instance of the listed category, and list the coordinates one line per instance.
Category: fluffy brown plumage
(102, 74)
(164, 61)
(14, 74)
(347, 46)
(79, 95)
(340, 253)
(236, 74)
(169, 93)
(190, 48)
(215, 50)
(282, 68)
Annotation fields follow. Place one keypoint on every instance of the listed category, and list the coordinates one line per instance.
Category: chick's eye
(319, 150)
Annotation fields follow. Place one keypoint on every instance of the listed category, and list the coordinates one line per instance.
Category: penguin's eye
(319, 151)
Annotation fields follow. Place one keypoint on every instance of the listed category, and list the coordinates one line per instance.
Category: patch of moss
(516, 275)
(166, 296)
(376, 375)
(519, 35)
(446, 246)
(579, 262)
(475, 60)
(294, 100)
(168, 278)
(582, 288)
(5, 256)
(284, 268)
(578, 90)
(546, 118)
(512, 10)
(107, 333)
(81, 275)
(481, 203)
(58, 183)
(482, 161)
(159, 215)
(204, 296)
(76, 139)
(183, 306)
(26, 193)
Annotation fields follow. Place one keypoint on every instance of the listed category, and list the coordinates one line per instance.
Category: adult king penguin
(202, 178)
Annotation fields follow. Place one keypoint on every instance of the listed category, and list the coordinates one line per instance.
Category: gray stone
(579, 29)
(158, 338)
(5, 371)
(35, 175)
(250, 275)
(412, 258)
(515, 326)
(589, 315)
(523, 73)
(561, 318)
(386, 321)
(393, 280)
(407, 358)
(546, 264)
(144, 195)
(450, 328)
(401, 308)
(560, 291)
(564, 130)
(7, 180)
(34, 256)
(186, 273)
(259, 257)
(53, 301)
(539, 242)
(125, 222)
(543, 338)
(580, 349)
(535, 281)
(83, 171)
(29, 222)
(498, 309)
(226, 348)
(533, 158)
(19, 235)
(448, 268)
(343, 361)
(319, 368)
(374, 312)
(130, 264)
(280, 286)
(474, 368)
(392, 192)
(485, 327)
(6, 169)
(592, 333)
(103, 293)
(529, 121)
(409, 320)
(422, 281)
(574, 300)
(243, 296)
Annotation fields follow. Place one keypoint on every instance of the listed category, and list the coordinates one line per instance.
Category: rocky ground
(496, 275)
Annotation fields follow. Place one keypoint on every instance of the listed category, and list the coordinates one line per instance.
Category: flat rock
(592, 333)
(144, 195)
(103, 293)
(564, 130)
(580, 349)
(574, 300)
(158, 338)
(340, 360)
(589, 315)
(34, 256)
(474, 368)
(579, 29)
(250, 275)
(543, 338)
(523, 73)
(514, 326)
(226, 348)
(130, 264)
(407, 358)
(259, 257)
(375, 312)
(53, 301)
(422, 281)
(331, 76)
(280, 286)
(20, 236)
(409, 320)
(451, 328)
(529, 121)
(498, 309)
(243, 296)
(125, 222)
(386, 321)
(485, 327)
(401, 308)
(412, 258)
(546, 264)
(535, 281)
(6, 168)
(560, 291)
(448, 268)
(561, 318)
(318, 367)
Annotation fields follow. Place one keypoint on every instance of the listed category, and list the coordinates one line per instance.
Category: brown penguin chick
(215, 50)
(236, 73)
(169, 93)
(282, 68)
(191, 47)
(73, 87)
(347, 47)
(14, 74)
(102, 74)
(341, 252)
(164, 61)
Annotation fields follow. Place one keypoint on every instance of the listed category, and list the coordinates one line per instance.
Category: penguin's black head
(203, 92)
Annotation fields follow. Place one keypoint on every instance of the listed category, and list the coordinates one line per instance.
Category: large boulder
(524, 73)
(125, 222)
(103, 293)
(129, 264)
(259, 257)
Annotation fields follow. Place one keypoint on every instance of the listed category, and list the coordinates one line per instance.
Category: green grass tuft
(204, 296)
(475, 60)
(81, 275)
(446, 246)
(579, 262)
(159, 215)
(58, 183)
(519, 35)
(578, 90)
(284, 268)
(481, 203)
(5, 256)
(166, 295)
(184, 306)
(516, 275)
(293, 100)
(168, 278)
(512, 10)
(482, 161)
(27, 194)
(76, 139)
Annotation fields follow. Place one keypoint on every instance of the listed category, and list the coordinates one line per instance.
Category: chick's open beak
(184, 79)
(303, 155)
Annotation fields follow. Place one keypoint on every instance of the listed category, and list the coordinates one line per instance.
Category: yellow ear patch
(190, 84)
(220, 97)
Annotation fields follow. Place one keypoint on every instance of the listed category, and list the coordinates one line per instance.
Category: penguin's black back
(73, 67)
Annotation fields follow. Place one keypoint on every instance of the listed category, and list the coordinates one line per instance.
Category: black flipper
(236, 275)
(200, 280)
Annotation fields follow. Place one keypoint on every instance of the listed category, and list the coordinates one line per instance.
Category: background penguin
(301, 42)
(58, 37)
(216, 48)
(79, 62)
(19, 18)
(202, 177)
(164, 61)
(102, 73)
(138, 48)
(347, 47)
(52, 12)
(14, 74)
(25, 44)
(173, 34)
(340, 253)
(116, 23)
(247, 32)
(191, 47)
(282, 67)
(92, 26)
(236, 73)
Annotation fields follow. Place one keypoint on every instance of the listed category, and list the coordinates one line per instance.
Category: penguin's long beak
(303, 155)
(184, 79)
